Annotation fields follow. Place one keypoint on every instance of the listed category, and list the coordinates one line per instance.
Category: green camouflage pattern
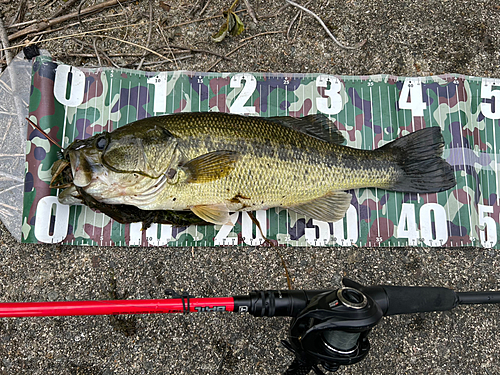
(75, 103)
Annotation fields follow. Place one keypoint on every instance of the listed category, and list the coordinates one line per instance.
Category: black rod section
(468, 298)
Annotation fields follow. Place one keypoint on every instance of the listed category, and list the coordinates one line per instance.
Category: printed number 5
(488, 235)
(488, 93)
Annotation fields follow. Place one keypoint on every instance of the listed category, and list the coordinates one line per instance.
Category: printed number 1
(413, 88)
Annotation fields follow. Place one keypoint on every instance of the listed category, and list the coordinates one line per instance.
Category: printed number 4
(412, 87)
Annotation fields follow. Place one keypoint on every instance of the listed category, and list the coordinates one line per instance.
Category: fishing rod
(329, 328)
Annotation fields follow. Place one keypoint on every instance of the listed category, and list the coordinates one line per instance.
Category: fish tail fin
(419, 158)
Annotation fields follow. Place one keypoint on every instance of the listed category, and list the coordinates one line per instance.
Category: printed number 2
(246, 92)
(413, 88)
(487, 93)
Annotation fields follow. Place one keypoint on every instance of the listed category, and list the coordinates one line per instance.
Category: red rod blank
(115, 307)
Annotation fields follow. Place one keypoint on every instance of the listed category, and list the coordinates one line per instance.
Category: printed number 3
(332, 93)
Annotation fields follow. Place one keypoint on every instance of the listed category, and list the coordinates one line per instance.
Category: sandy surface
(404, 38)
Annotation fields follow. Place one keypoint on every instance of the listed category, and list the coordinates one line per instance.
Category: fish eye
(101, 142)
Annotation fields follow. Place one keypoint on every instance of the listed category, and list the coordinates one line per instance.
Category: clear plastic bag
(15, 84)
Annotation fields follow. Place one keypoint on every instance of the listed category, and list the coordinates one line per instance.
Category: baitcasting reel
(332, 331)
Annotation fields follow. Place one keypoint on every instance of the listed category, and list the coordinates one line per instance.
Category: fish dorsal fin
(210, 166)
(216, 213)
(329, 208)
(317, 126)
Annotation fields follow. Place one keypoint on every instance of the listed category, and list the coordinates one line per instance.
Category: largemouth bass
(216, 163)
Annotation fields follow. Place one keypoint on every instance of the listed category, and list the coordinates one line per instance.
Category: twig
(75, 34)
(195, 8)
(228, 54)
(96, 52)
(63, 8)
(52, 30)
(270, 243)
(5, 41)
(79, 12)
(278, 13)
(149, 33)
(92, 55)
(299, 13)
(21, 10)
(165, 61)
(48, 23)
(167, 43)
(135, 45)
(359, 45)
(205, 7)
(261, 34)
(243, 42)
(200, 20)
(250, 11)
(202, 50)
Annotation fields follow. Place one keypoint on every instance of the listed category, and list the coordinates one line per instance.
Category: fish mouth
(80, 169)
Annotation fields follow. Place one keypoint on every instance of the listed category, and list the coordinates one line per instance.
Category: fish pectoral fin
(329, 208)
(215, 214)
(211, 166)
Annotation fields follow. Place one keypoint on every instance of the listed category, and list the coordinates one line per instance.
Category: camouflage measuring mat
(74, 103)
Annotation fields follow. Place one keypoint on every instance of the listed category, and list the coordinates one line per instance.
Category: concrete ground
(403, 37)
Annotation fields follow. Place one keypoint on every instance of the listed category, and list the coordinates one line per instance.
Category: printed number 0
(43, 219)
(69, 75)
(332, 93)
(246, 92)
